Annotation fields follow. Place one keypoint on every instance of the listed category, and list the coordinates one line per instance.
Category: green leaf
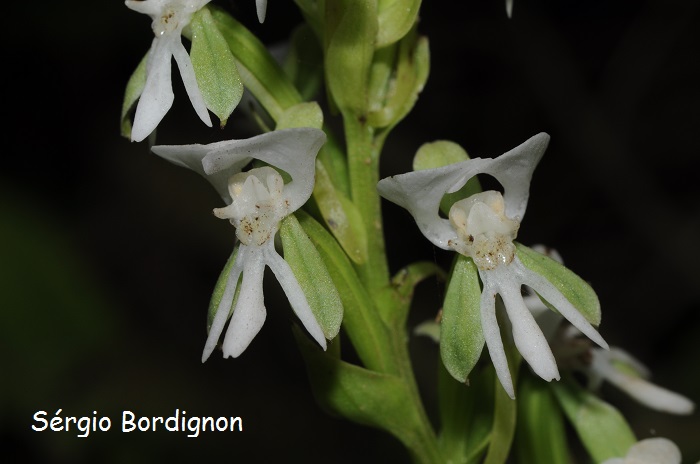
(214, 67)
(603, 431)
(409, 77)
(134, 88)
(219, 288)
(540, 434)
(366, 330)
(461, 336)
(301, 115)
(341, 216)
(351, 27)
(396, 18)
(442, 153)
(312, 275)
(260, 73)
(575, 289)
(361, 395)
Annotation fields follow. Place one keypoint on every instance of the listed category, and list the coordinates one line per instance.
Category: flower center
(484, 232)
(174, 16)
(258, 205)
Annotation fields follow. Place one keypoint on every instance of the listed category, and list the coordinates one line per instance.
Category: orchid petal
(556, 299)
(184, 63)
(190, 156)
(157, 96)
(261, 6)
(492, 334)
(291, 150)
(645, 392)
(249, 314)
(224, 308)
(650, 451)
(527, 335)
(514, 169)
(294, 293)
(420, 192)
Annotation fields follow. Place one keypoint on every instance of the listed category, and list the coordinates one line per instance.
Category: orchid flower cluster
(297, 189)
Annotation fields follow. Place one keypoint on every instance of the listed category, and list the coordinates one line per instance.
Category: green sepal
(442, 153)
(461, 336)
(214, 67)
(307, 114)
(603, 431)
(540, 433)
(395, 18)
(341, 216)
(361, 395)
(408, 79)
(312, 275)
(575, 289)
(365, 329)
(262, 76)
(466, 415)
(350, 30)
(220, 286)
(134, 89)
(394, 301)
(304, 62)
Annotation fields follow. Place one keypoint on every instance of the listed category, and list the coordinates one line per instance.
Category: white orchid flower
(169, 18)
(631, 376)
(257, 201)
(656, 450)
(261, 6)
(614, 365)
(483, 228)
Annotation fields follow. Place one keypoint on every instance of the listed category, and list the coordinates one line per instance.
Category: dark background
(108, 254)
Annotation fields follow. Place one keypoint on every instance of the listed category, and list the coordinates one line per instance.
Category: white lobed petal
(222, 312)
(655, 450)
(184, 63)
(157, 96)
(294, 293)
(645, 392)
(550, 293)
(420, 192)
(492, 334)
(190, 156)
(527, 335)
(261, 6)
(509, 8)
(514, 169)
(291, 150)
(249, 314)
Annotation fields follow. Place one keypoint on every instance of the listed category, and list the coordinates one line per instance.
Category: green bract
(461, 337)
(601, 427)
(313, 276)
(396, 18)
(351, 26)
(214, 66)
(575, 289)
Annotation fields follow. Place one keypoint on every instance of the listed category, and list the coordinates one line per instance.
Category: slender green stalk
(363, 164)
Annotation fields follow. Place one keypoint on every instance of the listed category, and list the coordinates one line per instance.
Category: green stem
(363, 168)
(423, 446)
